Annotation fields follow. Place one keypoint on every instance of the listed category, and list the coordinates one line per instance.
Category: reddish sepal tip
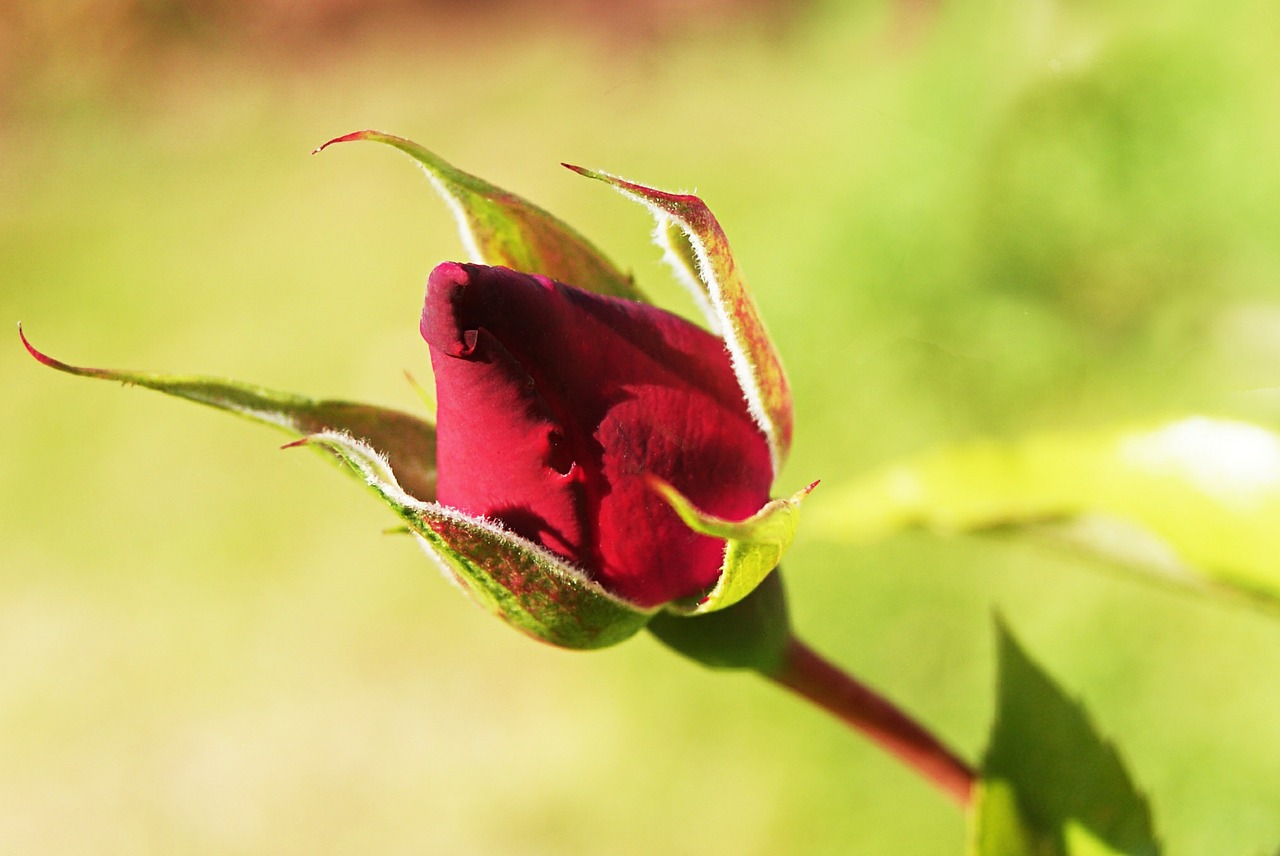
(345, 138)
(40, 357)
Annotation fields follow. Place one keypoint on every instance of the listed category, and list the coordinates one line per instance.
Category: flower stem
(809, 675)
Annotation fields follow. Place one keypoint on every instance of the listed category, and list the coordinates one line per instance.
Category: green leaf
(500, 228)
(529, 588)
(1196, 493)
(1051, 785)
(1000, 830)
(997, 827)
(696, 248)
(753, 547)
(409, 443)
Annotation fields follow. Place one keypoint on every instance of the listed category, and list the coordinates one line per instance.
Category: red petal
(504, 457)
(633, 389)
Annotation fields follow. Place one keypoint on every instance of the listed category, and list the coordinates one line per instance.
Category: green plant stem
(809, 675)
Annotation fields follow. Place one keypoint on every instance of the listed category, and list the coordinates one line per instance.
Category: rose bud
(558, 406)
(596, 459)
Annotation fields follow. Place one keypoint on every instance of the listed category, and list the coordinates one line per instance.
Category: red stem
(809, 675)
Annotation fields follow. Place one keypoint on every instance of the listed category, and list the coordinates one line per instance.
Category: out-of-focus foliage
(49, 42)
(961, 221)
(1194, 501)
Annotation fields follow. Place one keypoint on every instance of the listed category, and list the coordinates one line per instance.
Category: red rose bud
(599, 458)
(558, 406)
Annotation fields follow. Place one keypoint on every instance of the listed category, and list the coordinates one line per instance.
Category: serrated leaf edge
(1005, 635)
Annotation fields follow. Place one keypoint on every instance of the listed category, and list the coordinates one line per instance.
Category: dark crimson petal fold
(555, 405)
(498, 419)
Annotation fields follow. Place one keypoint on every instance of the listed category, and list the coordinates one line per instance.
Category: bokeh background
(961, 219)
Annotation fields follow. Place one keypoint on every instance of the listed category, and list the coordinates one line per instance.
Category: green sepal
(500, 228)
(531, 589)
(696, 248)
(408, 443)
(753, 547)
(680, 255)
(1051, 785)
(751, 634)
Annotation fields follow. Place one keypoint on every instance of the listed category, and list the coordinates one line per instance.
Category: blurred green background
(961, 220)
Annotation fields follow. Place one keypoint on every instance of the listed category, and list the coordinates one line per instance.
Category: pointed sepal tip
(753, 547)
(697, 249)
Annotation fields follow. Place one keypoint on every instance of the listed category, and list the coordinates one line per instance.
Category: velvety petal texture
(556, 405)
